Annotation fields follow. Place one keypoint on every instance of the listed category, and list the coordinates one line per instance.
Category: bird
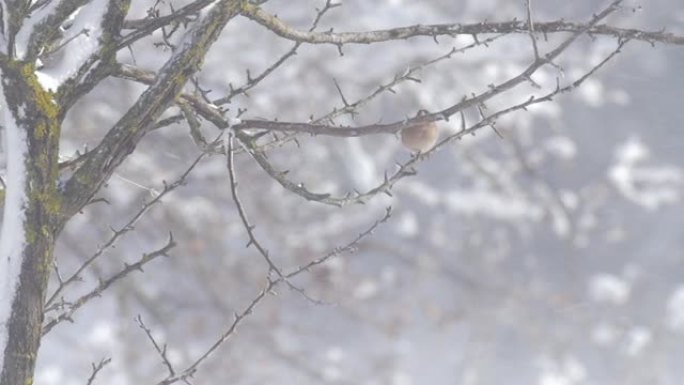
(420, 137)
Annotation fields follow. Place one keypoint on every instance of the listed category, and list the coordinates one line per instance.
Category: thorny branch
(161, 349)
(213, 114)
(271, 283)
(253, 241)
(50, 304)
(254, 81)
(280, 28)
(239, 317)
(96, 368)
(105, 284)
(445, 114)
(407, 169)
(241, 211)
(191, 104)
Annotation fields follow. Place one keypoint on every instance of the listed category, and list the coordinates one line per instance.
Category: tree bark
(39, 120)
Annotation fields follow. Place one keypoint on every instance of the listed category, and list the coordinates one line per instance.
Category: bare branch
(239, 317)
(97, 291)
(349, 247)
(241, 211)
(270, 285)
(161, 350)
(530, 26)
(253, 241)
(96, 369)
(392, 128)
(280, 28)
(144, 27)
(253, 82)
(136, 123)
(130, 225)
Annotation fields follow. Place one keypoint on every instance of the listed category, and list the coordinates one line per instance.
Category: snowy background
(551, 257)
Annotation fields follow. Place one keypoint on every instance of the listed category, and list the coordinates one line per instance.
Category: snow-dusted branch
(143, 28)
(213, 114)
(130, 129)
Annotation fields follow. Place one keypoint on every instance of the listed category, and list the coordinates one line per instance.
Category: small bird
(420, 137)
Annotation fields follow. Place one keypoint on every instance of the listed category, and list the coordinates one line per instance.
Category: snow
(604, 334)
(37, 17)
(637, 339)
(407, 225)
(567, 372)
(3, 40)
(50, 375)
(360, 165)
(367, 289)
(561, 147)
(492, 205)
(675, 309)
(12, 235)
(592, 92)
(335, 354)
(648, 186)
(83, 41)
(476, 201)
(609, 288)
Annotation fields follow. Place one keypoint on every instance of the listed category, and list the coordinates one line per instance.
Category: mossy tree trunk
(38, 120)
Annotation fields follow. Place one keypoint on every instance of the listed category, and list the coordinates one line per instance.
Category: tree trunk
(31, 112)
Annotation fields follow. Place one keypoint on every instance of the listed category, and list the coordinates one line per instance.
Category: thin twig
(239, 317)
(67, 315)
(96, 369)
(130, 225)
(530, 27)
(338, 39)
(350, 246)
(271, 283)
(161, 350)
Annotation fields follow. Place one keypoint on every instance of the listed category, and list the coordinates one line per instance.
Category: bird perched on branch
(420, 137)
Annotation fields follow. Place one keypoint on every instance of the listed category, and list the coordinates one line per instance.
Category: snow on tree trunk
(31, 220)
(12, 238)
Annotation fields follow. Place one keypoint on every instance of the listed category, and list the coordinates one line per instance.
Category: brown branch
(405, 169)
(254, 81)
(144, 27)
(280, 28)
(270, 285)
(487, 120)
(349, 247)
(130, 225)
(530, 28)
(445, 114)
(239, 317)
(161, 350)
(253, 241)
(95, 369)
(104, 285)
(211, 113)
(123, 137)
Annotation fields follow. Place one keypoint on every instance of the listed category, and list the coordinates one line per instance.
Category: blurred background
(552, 256)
